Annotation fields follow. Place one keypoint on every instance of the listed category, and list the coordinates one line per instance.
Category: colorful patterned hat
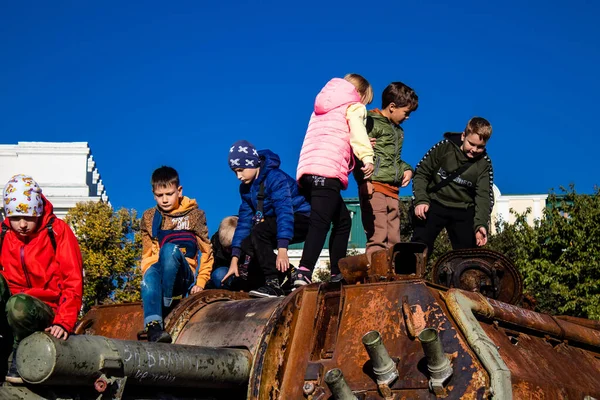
(23, 196)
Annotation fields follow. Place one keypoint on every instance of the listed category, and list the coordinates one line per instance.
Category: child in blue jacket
(272, 215)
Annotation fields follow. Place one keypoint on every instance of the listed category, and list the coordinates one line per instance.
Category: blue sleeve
(281, 196)
(243, 228)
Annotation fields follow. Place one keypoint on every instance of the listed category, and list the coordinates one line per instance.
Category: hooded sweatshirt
(30, 265)
(472, 188)
(186, 217)
(282, 200)
(335, 131)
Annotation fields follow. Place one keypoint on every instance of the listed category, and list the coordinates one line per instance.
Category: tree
(559, 257)
(111, 248)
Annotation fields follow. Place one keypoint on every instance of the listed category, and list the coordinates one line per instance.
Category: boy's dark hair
(164, 177)
(399, 94)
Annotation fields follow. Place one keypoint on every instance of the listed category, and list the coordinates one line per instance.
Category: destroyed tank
(386, 333)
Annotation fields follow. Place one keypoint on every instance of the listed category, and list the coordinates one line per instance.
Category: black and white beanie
(243, 154)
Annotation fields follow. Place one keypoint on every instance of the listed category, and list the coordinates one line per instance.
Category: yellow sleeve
(149, 255)
(206, 259)
(356, 116)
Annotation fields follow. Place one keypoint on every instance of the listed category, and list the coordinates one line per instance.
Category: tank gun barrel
(43, 359)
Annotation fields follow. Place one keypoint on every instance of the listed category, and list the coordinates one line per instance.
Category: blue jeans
(217, 276)
(170, 276)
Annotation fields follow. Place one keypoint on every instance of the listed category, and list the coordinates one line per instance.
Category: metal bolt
(100, 385)
(308, 388)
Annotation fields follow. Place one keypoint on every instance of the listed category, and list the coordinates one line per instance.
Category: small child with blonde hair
(221, 244)
(335, 132)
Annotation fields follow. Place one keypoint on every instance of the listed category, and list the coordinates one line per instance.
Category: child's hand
(373, 141)
(367, 170)
(283, 261)
(233, 269)
(408, 174)
(196, 289)
(481, 236)
(421, 210)
(58, 332)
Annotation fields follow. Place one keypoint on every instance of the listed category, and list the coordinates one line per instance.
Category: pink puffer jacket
(326, 149)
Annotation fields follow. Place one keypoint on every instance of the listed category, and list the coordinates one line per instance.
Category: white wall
(66, 172)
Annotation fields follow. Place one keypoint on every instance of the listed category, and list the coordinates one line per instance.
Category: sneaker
(301, 276)
(271, 289)
(157, 334)
(12, 376)
(337, 278)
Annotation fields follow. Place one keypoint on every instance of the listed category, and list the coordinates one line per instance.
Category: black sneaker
(337, 278)
(12, 376)
(271, 289)
(157, 334)
(301, 276)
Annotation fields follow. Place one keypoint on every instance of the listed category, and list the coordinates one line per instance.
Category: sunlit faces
(23, 225)
(399, 114)
(167, 197)
(473, 145)
(246, 175)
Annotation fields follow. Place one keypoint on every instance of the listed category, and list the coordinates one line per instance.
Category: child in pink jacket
(336, 130)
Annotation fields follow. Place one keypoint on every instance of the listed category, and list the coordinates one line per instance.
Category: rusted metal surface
(480, 270)
(294, 341)
(402, 261)
(179, 317)
(545, 355)
(116, 321)
(325, 333)
(590, 323)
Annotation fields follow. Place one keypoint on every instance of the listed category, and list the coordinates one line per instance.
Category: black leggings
(458, 223)
(327, 207)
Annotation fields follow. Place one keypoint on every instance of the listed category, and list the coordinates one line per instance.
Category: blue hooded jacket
(282, 200)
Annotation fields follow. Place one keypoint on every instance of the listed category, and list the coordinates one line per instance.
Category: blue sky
(150, 83)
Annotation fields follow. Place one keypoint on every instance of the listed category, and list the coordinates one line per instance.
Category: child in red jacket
(41, 280)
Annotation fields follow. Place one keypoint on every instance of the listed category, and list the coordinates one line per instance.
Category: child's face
(167, 197)
(473, 145)
(399, 114)
(246, 175)
(23, 226)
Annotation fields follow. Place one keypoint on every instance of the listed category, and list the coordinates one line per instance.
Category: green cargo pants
(24, 315)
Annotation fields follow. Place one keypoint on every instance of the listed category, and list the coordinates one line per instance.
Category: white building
(66, 172)
(519, 203)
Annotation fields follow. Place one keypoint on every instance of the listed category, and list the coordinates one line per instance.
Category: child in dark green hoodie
(452, 188)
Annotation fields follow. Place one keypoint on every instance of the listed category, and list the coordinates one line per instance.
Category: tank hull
(494, 349)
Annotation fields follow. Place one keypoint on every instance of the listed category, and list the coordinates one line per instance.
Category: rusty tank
(386, 333)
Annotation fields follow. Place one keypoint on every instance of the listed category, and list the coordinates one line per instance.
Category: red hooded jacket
(30, 265)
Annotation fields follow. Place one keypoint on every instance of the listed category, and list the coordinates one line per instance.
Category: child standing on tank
(335, 131)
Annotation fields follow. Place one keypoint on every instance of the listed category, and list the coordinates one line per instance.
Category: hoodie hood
(268, 161)
(185, 206)
(456, 139)
(336, 93)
